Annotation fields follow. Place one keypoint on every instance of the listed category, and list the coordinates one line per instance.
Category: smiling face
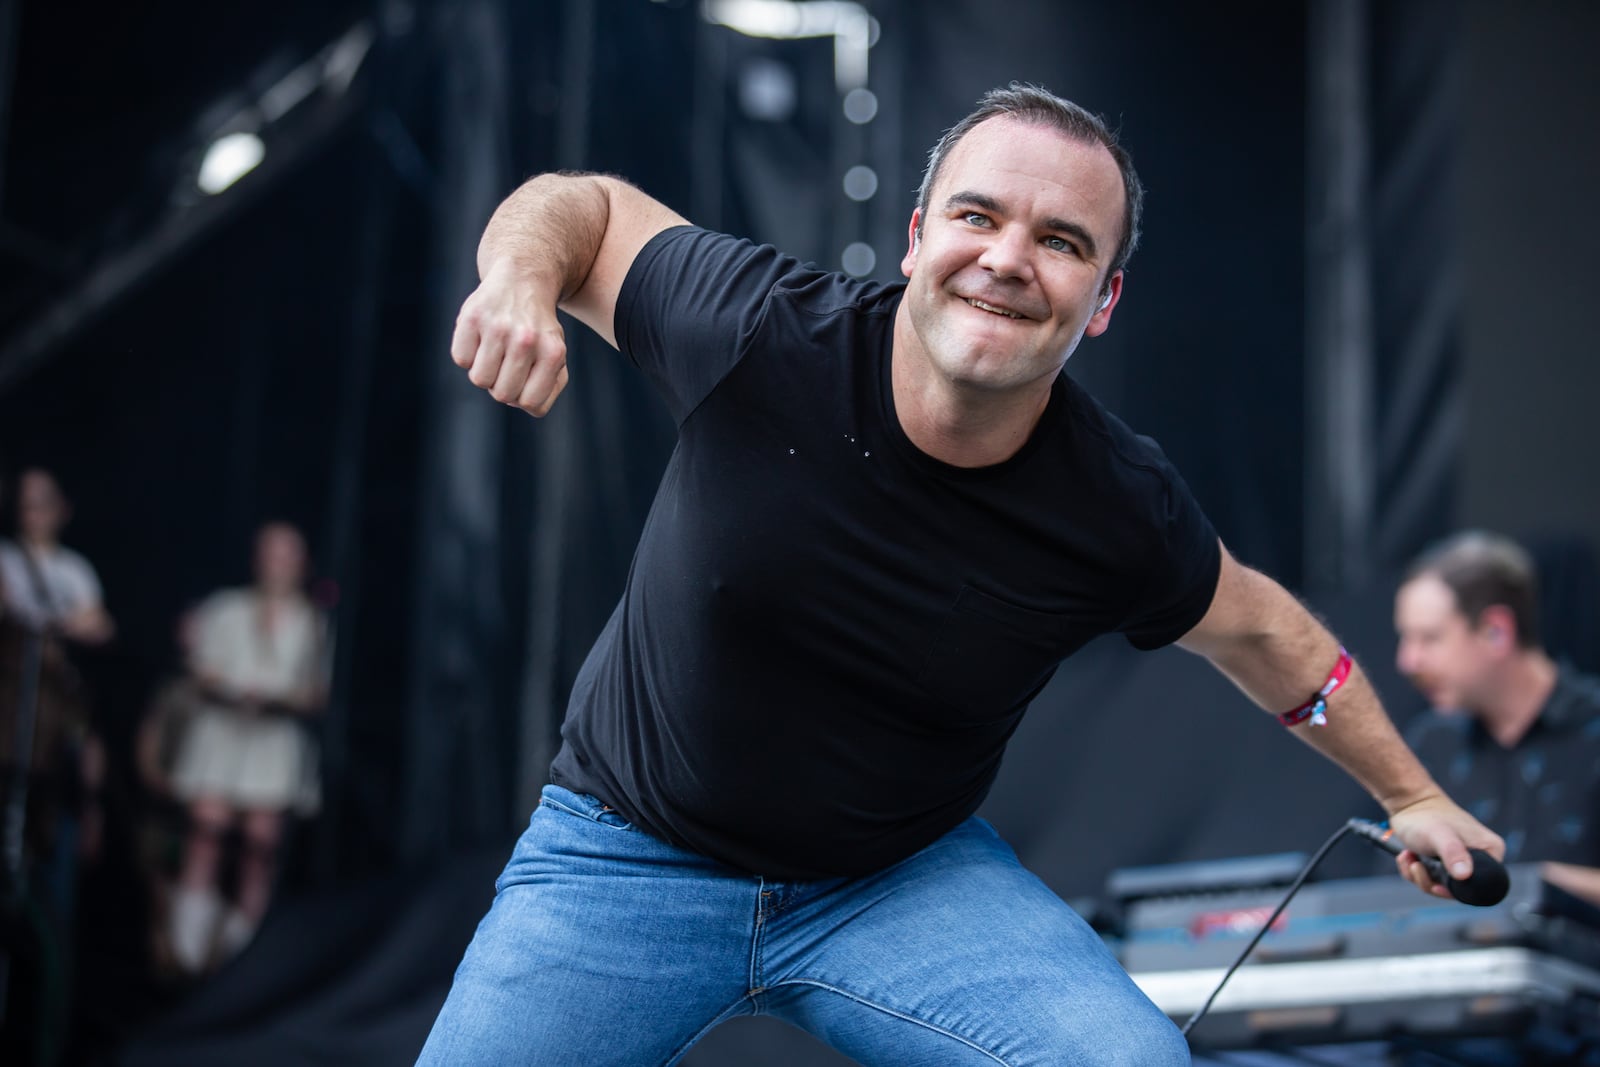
(1009, 269)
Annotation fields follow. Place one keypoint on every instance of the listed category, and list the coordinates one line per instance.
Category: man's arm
(561, 240)
(1272, 648)
(1579, 881)
(88, 625)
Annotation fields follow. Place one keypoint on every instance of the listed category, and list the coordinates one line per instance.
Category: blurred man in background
(48, 586)
(1515, 737)
(52, 764)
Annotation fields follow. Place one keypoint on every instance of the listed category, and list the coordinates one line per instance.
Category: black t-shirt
(828, 636)
(1543, 794)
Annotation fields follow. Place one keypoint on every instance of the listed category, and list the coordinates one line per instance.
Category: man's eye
(1059, 244)
(973, 218)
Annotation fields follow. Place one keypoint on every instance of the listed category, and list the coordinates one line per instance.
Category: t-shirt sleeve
(1182, 572)
(83, 585)
(689, 306)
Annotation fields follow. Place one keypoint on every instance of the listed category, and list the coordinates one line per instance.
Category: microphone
(1486, 887)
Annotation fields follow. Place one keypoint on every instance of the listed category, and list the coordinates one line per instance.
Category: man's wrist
(1398, 803)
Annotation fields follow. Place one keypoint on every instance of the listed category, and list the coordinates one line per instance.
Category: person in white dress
(258, 666)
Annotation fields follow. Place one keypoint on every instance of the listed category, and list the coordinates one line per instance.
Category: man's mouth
(983, 306)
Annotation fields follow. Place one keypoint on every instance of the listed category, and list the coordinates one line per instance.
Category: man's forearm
(1358, 734)
(548, 231)
(1278, 654)
(1360, 737)
(1579, 881)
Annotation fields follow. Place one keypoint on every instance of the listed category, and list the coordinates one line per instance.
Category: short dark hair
(1483, 570)
(1030, 103)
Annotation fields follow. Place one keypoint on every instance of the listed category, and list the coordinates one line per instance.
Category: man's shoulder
(692, 253)
(1127, 454)
(71, 559)
(1432, 727)
(1576, 700)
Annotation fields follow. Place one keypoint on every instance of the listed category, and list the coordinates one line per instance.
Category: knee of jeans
(1151, 1041)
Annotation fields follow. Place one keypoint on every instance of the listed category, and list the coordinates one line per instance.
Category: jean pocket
(583, 806)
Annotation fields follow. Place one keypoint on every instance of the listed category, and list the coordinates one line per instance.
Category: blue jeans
(607, 946)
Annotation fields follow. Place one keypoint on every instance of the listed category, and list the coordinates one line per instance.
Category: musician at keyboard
(1513, 736)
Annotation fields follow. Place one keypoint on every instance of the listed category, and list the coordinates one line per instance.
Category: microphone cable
(1294, 887)
(1486, 887)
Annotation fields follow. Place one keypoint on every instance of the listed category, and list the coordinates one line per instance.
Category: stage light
(860, 182)
(858, 259)
(235, 131)
(767, 90)
(860, 106)
(853, 31)
(229, 158)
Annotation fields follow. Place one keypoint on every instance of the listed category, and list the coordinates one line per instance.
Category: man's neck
(39, 546)
(961, 426)
(1521, 695)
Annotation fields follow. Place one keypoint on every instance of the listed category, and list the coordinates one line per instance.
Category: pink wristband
(1316, 709)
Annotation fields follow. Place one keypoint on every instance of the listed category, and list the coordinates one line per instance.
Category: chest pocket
(990, 655)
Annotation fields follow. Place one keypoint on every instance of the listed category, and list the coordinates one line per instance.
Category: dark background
(191, 365)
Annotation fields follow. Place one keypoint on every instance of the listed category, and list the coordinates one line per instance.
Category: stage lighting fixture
(229, 158)
(852, 29)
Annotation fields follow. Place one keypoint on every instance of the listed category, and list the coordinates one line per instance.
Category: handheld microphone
(1487, 885)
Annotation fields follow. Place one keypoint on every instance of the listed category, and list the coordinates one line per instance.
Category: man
(47, 590)
(48, 586)
(50, 606)
(887, 519)
(1516, 737)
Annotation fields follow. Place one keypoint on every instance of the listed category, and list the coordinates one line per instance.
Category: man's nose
(1009, 253)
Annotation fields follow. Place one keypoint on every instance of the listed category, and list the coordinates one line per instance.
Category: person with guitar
(51, 762)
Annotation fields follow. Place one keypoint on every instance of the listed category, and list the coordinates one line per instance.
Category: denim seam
(730, 1012)
(556, 804)
(758, 942)
(864, 1002)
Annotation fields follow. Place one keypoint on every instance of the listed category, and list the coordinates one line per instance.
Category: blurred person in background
(52, 764)
(245, 759)
(46, 585)
(1513, 735)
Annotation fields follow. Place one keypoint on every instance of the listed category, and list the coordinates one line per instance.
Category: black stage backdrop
(290, 360)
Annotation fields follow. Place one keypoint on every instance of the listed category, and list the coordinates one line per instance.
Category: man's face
(1443, 654)
(41, 511)
(1011, 265)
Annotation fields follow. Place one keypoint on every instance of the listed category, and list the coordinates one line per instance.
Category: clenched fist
(510, 342)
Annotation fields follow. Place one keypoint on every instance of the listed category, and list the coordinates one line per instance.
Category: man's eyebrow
(970, 199)
(988, 203)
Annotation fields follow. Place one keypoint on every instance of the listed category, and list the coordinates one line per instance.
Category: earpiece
(1104, 303)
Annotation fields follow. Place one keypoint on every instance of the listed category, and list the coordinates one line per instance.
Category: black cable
(1299, 880)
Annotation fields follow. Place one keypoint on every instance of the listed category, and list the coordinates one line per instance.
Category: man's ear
(913, 242)
(1101, 319)
(1498, 625)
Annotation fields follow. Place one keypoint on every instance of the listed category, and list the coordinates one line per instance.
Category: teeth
(990, 307)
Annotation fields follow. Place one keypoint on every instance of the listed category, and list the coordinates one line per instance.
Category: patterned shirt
(1543, 793)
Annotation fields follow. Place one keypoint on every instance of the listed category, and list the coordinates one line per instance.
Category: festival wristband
(1316, 709)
